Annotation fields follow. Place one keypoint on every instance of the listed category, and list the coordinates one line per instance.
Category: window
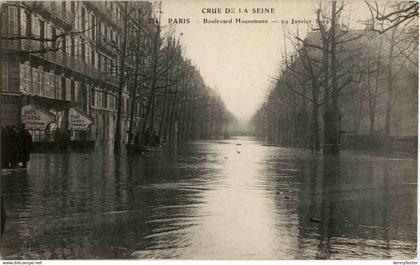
(83, 20)
(73, 47)
(64, 47)
(100, 63)
(41, 28)
(111, 101)
(63, 7)
(73, 7)
(63, 87)
(105, 33)
(105, 100)
(25, 78)
(106, 65)
(83, 51)
(72, 90)
(4, 75)
(57, 87)
(13, 18)
(93, 27)
(112, 68)
(77, 48)
(53, 35)
(98, 98)
(93, 57)
(92, 96)
(41, 91)
(88, 50)
(36, 80)
(68, 89)
(76, 91)
(23, 24)
(48, 35)
(41, 32)
(48, 85)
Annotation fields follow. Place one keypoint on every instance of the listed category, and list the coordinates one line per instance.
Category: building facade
(60, 68)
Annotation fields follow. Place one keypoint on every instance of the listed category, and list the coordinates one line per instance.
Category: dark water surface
(220, 200)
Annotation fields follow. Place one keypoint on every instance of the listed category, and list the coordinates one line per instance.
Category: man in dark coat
(25, 145)
(4, 158)
(13, 146)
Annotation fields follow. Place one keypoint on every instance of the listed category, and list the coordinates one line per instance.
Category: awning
(78, 121)
(36, 118)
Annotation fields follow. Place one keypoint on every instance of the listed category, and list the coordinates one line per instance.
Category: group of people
(16, 145)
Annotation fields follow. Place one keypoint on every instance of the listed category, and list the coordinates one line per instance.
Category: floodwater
(229, 199)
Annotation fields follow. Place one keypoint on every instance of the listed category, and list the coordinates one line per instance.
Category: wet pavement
(229, 199)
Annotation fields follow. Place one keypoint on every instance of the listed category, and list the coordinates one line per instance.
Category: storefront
(39, 122)
(45, 125)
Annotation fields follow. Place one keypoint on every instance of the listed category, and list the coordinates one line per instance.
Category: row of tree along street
(342, 85)
(176, 101)
(153, 93)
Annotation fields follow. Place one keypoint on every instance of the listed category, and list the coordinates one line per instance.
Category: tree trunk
(332, 130)
(117, 140)
(390, 83)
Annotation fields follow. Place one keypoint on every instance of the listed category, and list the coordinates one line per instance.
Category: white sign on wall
(35, 118)
(78, 121)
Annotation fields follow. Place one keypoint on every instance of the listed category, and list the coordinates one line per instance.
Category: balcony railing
(104, 45)
(57, 57)
(111, 16)
(57, 11)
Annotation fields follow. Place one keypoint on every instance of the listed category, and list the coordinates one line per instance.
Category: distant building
(59, 69)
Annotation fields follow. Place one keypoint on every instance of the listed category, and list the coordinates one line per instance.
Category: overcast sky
(240, 61)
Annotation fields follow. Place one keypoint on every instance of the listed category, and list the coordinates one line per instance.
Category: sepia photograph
(209, 130)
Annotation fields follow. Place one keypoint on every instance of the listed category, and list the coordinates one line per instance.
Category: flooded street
(228, 199)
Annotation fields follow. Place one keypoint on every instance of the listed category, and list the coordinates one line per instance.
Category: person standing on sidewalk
(25, 145)
(14, 146)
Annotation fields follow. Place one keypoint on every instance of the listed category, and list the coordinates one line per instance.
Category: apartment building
(60, 68)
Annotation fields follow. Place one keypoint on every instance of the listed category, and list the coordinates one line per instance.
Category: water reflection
(233, 199)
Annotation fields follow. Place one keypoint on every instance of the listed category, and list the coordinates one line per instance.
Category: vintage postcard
(209, 130)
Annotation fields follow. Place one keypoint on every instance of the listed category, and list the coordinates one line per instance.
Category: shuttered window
(25, 78)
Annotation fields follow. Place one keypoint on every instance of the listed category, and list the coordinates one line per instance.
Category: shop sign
(35, 118)
(78, 121)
